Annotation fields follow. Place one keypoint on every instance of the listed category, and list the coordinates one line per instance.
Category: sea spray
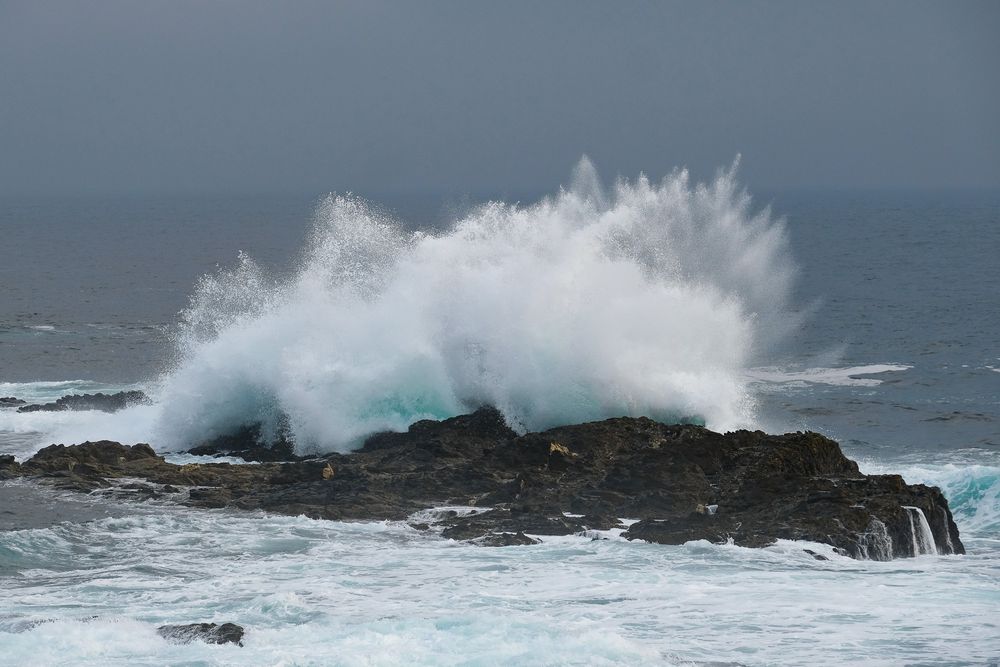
(647, 299)
(875, 543)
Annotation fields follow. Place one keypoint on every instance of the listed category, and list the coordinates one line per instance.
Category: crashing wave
(649, 298)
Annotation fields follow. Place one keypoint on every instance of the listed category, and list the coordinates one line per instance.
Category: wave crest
(644, 299)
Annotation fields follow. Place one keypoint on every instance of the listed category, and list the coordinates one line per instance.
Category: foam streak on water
(923, 538)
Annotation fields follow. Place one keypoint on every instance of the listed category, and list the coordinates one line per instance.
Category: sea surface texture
(873, 318)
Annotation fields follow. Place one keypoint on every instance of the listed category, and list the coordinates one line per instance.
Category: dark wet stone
(212, 497)
(210, 633)
(247, 443)
(506, 540)
(11, 402)
(601, 522)
(682, 483)
(503, 520)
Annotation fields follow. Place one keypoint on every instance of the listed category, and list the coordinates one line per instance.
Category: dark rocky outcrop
(9, 467)
(249, 444)
(98, 401)
(506, 540)
(210, 633)
(11, 402)
(678, 482)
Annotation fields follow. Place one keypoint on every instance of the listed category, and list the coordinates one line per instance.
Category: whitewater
(330, 593)
(672, 298)
(646, 300)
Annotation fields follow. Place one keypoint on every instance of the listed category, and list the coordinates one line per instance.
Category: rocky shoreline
(674, 483)
(98, 401)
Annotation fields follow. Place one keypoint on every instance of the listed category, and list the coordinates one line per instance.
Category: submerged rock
(98, 401)
(210, 633)
(677, 482)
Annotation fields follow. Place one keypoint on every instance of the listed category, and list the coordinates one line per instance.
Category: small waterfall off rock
(875, 543)
(949, 547)
(923, 538)
(647, 298)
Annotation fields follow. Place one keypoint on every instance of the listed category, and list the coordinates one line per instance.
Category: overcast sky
(483, 97)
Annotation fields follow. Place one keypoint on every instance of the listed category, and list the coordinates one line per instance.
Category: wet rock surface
(248, 444)
(26, 506)
(210, 633)
(677, 482)
(98, 401)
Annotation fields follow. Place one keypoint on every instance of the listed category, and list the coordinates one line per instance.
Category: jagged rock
(11, 402)
(9, 467)
(210, 633)
(212, 497)
(681, 482)
(135, 491)
(98, 401)
(247, 443)
(99, 456)
(497, 521)
(601, 522)
(506, 540)
(87, 466)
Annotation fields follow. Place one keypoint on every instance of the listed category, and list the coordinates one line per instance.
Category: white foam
(972, 491)
(23, 433)
(318, 592)
(183, 458)
(923, 538)
(649, 299)
(849, 376)
(949, 545)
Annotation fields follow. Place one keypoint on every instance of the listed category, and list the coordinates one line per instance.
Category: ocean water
(873, 318)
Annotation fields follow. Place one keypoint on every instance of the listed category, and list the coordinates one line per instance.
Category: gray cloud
(451, 97)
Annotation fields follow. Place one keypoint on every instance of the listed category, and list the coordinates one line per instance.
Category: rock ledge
(680, 482)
